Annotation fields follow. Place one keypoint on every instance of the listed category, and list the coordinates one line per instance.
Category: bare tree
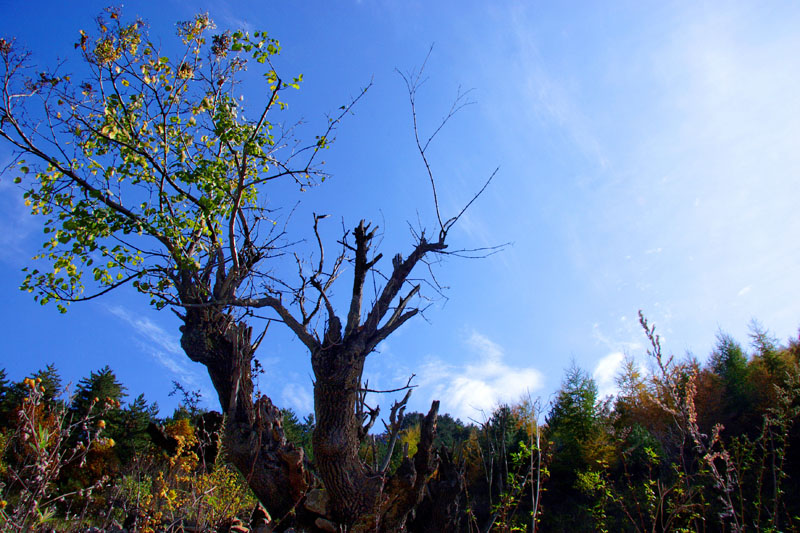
(148, 173)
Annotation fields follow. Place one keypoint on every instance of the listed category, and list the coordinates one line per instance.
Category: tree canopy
(147, 169)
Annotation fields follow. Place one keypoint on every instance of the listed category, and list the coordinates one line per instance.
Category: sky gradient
(648, 156)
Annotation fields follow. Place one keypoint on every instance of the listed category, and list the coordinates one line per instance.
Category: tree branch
(396, 416)
(297, 328)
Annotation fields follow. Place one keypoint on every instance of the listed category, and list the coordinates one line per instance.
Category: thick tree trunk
(336, 442)
(277, 471)
(361, 499)
(254, 440)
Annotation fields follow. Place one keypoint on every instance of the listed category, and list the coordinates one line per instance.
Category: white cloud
(744, 291)
(152, 331)
(384, 348)
(480, 384)
(627, 329)
(298, 398)
(484, 346)
(166, 349)
(605, 373)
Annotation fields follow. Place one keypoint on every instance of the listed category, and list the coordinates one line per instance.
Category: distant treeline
(683, 446)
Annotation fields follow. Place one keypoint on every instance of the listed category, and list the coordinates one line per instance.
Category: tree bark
(254, 440)
(337, 375)
(362, 499)
(277, 471)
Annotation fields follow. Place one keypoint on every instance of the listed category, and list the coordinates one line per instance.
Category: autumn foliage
(682, 446)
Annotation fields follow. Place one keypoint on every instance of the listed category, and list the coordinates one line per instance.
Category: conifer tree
(51, 381)
(100, 387)
(131, 431)
(574, 429)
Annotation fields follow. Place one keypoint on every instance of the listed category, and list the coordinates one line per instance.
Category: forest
(682, 446)
(152, 174)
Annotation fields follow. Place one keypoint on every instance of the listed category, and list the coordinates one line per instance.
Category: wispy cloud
(548, 97)
(480, 384)
(298, 397)
(16, 223)
(230, 18)
(165, 349)
(625, 338)
(150, 330)
(744, 291)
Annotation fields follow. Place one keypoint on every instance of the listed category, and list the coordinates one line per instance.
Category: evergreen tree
(51, 381)
(297, 432)
(100, 395)
(574, 430)
(7, 403)
(573, 417)
(768, 354)
(100, 387)
(729, 362)
(450, 432)
(5, 390)
(4, 384)
(131, 431)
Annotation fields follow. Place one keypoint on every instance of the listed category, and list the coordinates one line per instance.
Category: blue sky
(648, 156)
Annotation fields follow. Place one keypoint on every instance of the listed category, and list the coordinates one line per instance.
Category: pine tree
(575, 432)
(51, 381)
(13, 395)
(131, 431)
(6, 395)
(100, 387)
(729, 362)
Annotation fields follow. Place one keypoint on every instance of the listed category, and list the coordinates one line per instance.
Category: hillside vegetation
(683, 446)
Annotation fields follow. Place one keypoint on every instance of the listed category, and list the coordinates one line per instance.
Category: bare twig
(396, 416)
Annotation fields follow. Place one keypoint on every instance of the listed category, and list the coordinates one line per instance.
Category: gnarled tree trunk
(362, 498)
(254, 441)
(336, 436)
(277, 471)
